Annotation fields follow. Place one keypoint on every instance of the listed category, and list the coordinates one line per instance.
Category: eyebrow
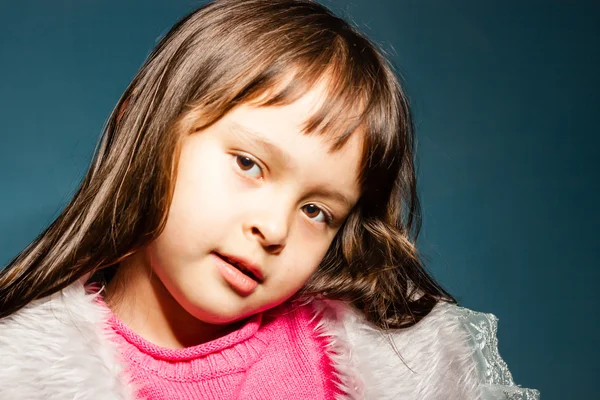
(335, 195)
(252, 138)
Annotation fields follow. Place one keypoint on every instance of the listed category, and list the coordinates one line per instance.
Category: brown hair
(224, 54)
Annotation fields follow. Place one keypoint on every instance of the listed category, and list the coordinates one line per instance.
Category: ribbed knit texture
(272, 356)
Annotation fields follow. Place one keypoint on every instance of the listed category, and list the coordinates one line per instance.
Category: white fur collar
(56, 348)
(452, 354)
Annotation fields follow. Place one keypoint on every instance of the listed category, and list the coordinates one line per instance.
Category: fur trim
(331, 329)
(451, 354)
(55, 348)
(433, 360)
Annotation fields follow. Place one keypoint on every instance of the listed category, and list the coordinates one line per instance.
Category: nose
(270, 228)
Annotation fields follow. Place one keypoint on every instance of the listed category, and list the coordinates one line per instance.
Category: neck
(139, 299)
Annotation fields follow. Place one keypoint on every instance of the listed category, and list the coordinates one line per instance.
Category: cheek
(302, 262)
(200, 211)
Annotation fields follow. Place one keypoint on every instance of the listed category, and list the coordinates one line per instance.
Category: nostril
(270, 239)
(274, 248)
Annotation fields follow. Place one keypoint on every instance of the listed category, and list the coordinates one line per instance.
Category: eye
(317, 214)
(248, 167)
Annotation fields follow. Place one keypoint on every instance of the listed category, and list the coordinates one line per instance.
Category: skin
(268, 203)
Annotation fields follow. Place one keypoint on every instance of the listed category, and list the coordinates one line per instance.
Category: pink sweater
(272, 356)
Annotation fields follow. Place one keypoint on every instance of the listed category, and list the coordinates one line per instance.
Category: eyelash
(329, 220)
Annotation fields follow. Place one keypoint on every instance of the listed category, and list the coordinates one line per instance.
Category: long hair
(224, 54)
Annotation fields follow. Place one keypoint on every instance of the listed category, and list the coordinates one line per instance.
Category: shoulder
(56, 346)
(453, 351)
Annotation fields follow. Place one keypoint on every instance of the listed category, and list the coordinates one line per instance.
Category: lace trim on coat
(499, 383)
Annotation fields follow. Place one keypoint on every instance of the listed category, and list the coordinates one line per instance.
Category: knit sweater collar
(228, 354)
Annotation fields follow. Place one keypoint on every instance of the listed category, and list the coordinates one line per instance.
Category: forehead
(327, 103)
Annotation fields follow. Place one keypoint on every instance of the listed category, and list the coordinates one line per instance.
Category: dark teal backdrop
(506, 101)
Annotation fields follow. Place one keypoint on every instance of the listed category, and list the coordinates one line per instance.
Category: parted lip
(243, 263)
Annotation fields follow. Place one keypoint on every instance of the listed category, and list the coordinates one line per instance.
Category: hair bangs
(348, 89)
(356, 100)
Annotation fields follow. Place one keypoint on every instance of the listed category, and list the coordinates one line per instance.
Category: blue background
(506, 102)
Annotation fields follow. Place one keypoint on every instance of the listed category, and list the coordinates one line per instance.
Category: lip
(236, 279)
(245, 263)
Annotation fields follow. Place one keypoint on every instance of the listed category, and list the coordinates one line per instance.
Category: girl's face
(253, 189)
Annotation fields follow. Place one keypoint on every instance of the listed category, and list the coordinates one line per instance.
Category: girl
(246, 231)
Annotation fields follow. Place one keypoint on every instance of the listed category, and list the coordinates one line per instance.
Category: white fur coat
(55, 349)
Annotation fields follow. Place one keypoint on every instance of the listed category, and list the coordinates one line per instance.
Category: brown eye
(315, 213)
(248, 167)
(245, 163)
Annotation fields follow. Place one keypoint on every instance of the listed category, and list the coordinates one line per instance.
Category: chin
(216, 313)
